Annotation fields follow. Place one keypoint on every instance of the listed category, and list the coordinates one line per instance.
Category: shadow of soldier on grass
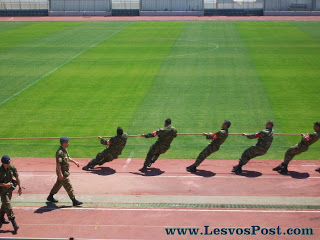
(49, 207)
(150, 172)
(103, 171)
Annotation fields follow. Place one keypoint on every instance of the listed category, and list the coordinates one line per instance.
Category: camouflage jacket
(6, 176)
(165, 135)
(116, 143)
(265, 138)
(309, 139)
(219, 137)
(62, 158)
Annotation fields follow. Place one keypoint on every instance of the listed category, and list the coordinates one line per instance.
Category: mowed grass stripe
(31, 55)
(199, 91)
(287, 60)
(88, 97)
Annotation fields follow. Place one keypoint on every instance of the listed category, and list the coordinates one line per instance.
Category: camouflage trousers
(291, 152)
(65, 182)
(250, 153)
(6, 204)
(211, 148)
(154, 152)
(102, 157)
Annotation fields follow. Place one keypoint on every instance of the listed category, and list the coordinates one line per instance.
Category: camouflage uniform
(165, 137)
(116, 145)
(261, 148)
(6, 193)
(62, 158)
(302, 146)
(217, 139)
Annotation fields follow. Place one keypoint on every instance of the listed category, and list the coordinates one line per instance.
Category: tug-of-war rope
(183, 134)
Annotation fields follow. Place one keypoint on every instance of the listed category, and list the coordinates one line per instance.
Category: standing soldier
(165, 137)
(261, 148)
(7, 185)
(217, 139)
(302, 146)
(116, 145)
(62, 170)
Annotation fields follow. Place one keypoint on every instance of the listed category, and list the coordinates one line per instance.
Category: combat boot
(50, 198)
(192, 168)
(15, 225)
(318, 169)
(237, 169)
(3, 220)
(75, 202)
(278, 168)
(143, 169)
(86, 168)
(283, 170)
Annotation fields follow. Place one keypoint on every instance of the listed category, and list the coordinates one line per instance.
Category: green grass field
(88, 78)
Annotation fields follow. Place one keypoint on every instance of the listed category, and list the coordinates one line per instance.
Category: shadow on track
(150, 172)
(103, 171)
(49, 207)
(204, 173)
(250, 174)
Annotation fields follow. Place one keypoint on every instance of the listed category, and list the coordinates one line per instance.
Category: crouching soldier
(302, 146)
(115, 146)
(265, 138)
(7, 185)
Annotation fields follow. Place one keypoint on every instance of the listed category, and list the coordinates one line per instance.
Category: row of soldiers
(165, 137)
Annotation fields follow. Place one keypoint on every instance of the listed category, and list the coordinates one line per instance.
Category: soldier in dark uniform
(116, 145)
(302, 146)
(217, 139)
(62, 170)
(265, 138)
(7, 185)
(165, 137)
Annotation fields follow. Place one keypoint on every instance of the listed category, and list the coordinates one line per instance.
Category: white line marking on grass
(174, 210)
(31, 84)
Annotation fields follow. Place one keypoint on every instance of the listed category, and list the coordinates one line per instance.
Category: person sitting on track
(302, 146)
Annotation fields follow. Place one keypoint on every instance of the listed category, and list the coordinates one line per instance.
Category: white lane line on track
(31, 84)
(166, 176)
(175, 210)
(128, 160)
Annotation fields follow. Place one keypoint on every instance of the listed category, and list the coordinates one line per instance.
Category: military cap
(228, 123)
(317, 123)
(64, 139)
(5, 159)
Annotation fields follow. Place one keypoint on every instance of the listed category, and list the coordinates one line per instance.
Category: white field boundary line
(169, 176)
(34, 82)
(173, 210)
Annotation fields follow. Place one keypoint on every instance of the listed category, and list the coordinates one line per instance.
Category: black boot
(15, 225)
(318, 169)
(143, 169)
(283, 170)
(237, 169)
(50, 198)
(75, 202)
(86, 168)
(278, 168)
(192, 168)
(3, 220)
